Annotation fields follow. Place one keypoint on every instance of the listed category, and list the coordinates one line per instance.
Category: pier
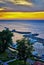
(20, 32)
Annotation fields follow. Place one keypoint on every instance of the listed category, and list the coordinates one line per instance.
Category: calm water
(34, 26)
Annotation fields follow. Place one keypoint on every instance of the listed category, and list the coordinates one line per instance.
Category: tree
(24, 48)
(5, 39)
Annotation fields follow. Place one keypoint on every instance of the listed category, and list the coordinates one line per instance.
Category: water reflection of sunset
(21, 15)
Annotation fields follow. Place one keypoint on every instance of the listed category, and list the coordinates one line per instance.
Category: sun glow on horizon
(1, 9)
(21, 15)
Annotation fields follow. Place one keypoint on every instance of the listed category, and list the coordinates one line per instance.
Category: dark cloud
(37, 5)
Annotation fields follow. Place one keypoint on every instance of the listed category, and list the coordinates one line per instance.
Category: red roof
(38, 63)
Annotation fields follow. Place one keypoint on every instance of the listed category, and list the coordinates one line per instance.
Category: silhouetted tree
(24, 48)
(5, 39)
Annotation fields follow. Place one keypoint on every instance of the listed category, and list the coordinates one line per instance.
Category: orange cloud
(21, 15)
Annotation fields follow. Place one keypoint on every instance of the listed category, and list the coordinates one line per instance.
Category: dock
(20, 32)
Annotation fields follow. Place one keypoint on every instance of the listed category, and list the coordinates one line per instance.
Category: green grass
(4, 57)
(18, 62)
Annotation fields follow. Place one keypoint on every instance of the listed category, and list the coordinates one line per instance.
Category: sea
(33, 26)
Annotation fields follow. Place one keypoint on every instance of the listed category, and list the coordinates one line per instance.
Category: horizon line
(22, 15)
(21, 11)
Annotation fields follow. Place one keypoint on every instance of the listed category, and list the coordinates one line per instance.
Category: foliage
(17, 62)
(4, 56)
(24, 48)
(5, 39)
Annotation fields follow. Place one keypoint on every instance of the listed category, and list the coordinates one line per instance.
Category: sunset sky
(21, 9)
